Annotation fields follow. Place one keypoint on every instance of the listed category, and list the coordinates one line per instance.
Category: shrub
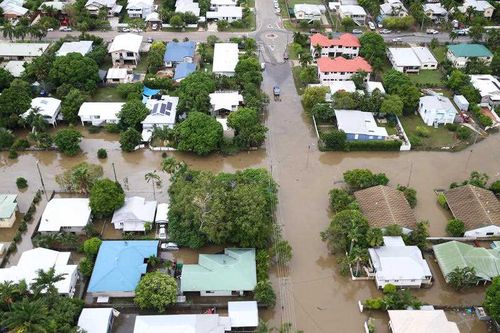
(442, 200)
(463, 133)
(485, 121)
(340, 199)
(263, 262)
(373, 303)
(415, 140)
(21, 183)
(422, 131)
(12, 154)
(451, 127)
(455, 228)
(495, 187)
(374, 145)
(393, 230)
(112, 128)
(334, 140)
(155, 290)
(6, 138)
(102, 153)
(94, 129)
(86, 266)
(17, 237)
(23, 226)
(389, 289)
(21, 144)
(91, 246)
(12, 247)
(264, 293)
(410, 195)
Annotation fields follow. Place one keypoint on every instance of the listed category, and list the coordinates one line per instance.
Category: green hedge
(375, 145)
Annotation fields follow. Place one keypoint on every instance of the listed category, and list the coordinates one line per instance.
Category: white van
(371, 25)
(162, 213)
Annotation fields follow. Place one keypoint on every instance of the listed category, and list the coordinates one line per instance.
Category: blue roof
(183, 69)
(177, 51)
(120, 264)
(149, 92)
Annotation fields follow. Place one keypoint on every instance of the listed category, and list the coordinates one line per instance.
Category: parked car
(125, 30)
(461, 32)
(371, 25)
(357, 31)
(397, 40)
(285, 56)
(380, 25)
(431, 31)
(154, 26)
(50, 29)
(150, 40)
(263, 66)
(162, 234)
(65, 29)
(169, 246)
(385, 31)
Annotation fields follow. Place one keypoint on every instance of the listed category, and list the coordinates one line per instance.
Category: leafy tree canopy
(249, 132)
(68, 141)
(130, 139)
(76, 70)
(80, 178)
(105, 197)
(194, 92)
(358, 179)
(131, 115)
(199, 133)
(156, 290)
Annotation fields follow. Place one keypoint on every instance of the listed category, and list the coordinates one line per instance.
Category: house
(453, 254)
(346, 45)
(13, 9)
(214, 4)
(225, 102)
(308, 12)
(398, 264)
(187, 6)
(178, 52)
(58, 6)
(436, 110)
(97, 320)
(134, 214)
(341, 69)
(140, 8)
(31, 261)
(356, 12)
(22, 51)
(163, 113)
(339, 86)
(153, 21)
(477, 208)
(119, 266)
(384, 206)
(8, 208)
(226, 13)
(359, 126)
(125, 49)
(435, 11)
(65, 214)
(243, 314)
(47, 107)
(83, 47)
(111, 7)
(118, 75)
(15, 67)
(225, 58)
(183, 70)
(100, 113)
(221, 274)
(459, 54)
(461, 102)
(372, 85)
(488, 87)
(480, 6)
(411, 59)
(162, 213)
(393, 8)
(415, 321)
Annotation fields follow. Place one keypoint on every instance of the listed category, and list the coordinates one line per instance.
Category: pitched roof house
(346, 45)
(416, 321)
(125, 49)
(183, 70)
(225, 101)
(178, 52)
(359, 125)
(480, 6)
(135, 212)
(384, 206)
(96, 320)
(22, 51)
(65, 214)
(140, 8)
(83, 47)
(477, 208)
(459, 54)
(185, 6)
(225, 58)
(100, 113)
(489, 88)
(163, 113)
(436, 110)
(8, 208)
(341, 69)
(411, 59)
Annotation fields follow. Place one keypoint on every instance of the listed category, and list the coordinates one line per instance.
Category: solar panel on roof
(169, 105)
(162, 108)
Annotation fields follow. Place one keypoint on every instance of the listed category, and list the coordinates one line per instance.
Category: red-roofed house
(341, 69)
(346, 45)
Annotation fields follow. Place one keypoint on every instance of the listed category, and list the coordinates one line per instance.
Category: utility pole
(41, 179)
(114, 171)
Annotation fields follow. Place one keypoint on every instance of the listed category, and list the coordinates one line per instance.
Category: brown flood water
(315, 297)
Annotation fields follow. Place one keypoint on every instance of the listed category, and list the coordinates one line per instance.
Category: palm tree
(171, 166)
(46, 280)
(453, 35)
(305, 59)
(27, 316)
(8, 30)
(358, 256)
(317, 51)
(155, 180)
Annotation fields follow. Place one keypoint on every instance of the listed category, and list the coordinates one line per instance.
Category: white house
(83, 47)
(47, 107)
(97, 320)
(65, 214)
(163, 113)
(356, 12)
(341, 69)
(359, 126)
(31, 261)
(112, 8)
(225, 102)
(22, 51)
(308, 12)
(394, 8)
(411, 59)
(372, 85)
(13, 9)
(435, 11)
(140, 8)
(187, 6)
(398, 264)
(227, 13)
(100, 113)
(489, 88)
(346, 45)
(225, 58)
(135, 212)
(428, 321)
(162, 213)
(336, 86)
(8, 208)
(480, 6)
(125, 49)
(118, 75)
(436, 110)
(459, 54)
(15, 67)
(214, 4)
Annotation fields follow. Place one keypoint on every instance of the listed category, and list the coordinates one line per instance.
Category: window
(97, 117)
(130, 54)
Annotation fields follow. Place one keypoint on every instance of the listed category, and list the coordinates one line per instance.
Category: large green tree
(393, 105)
(249, 132)
(347, 230)
(130, 139)
(358, 179)
(462, 277)
(71, 105)
(14, 101)
(155, 291)
(492, 300)
(80, 178)
(76, 70)
(68, 141)
(131, 114)
(194, 92)
(373, 49)
(199, 133)
(5, 79)
(105, 197)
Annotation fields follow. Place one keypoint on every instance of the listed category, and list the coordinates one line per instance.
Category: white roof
(353, 10)
(226, 11)
(183, 323)
(15, 67)
(83, 47)
(153, 17)
(47, 106)
(225, 57)
(65, 212)
(106, 110)
(126, 42)
(162, 213)
(435, 8)
(57, 5)
(479, 5)
(358, 122)
(309, 9)
(416, 321)
(95, 320)
(39, 258)
(372, 85)
(436, 102)
(223, 2)
(424, 55)
(243, 314)
(225, 100)
(163, 111)
(22, 49)
(100, 3)
(140, 4)
(13, 7)
(395, 261)
(347, 86)
(134, 213)
(404, 56)
(487, 85)
(184, 6)
(116, 73)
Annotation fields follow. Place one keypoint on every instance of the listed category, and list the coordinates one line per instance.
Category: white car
(169, 246)
(431, 31)
(162, 234)
(371, 25)
(397, 40)
(357, 31)
(50, 29)
(385, 31)
(65, 29)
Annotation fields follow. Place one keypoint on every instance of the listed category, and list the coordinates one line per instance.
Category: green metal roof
(456, 254)
(8, 205)
(232, 271)
(470, 50)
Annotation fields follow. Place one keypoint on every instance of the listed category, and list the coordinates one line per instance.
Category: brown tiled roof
(383, 206)
(475, 206)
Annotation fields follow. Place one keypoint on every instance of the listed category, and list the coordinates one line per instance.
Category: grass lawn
(107, 94)
(292, 3)
(250, 28)
(440, 53)
(142, 66)
(299, 86)
(438, 138)
(427, 77)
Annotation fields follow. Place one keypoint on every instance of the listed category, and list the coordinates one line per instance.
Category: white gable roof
(353, 10)
(358, 122)
(95, 320)
(184, 6)
(347, 86)
(163, 111)
(126, 42)
(15, 67)
(417, 321)
(308, 9)
(424, 55)
(105, 110)
(404, 56)
(116, 73)
(243, 314)
(83, 47)
(223, 2)
(225, 57)
(65, 212)
(140, 4)
(134, 213)
(22, 49)
(47, 106)
(183, 323)
(372, 85)
(487, 85)
(226, 11)
(225, 100)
